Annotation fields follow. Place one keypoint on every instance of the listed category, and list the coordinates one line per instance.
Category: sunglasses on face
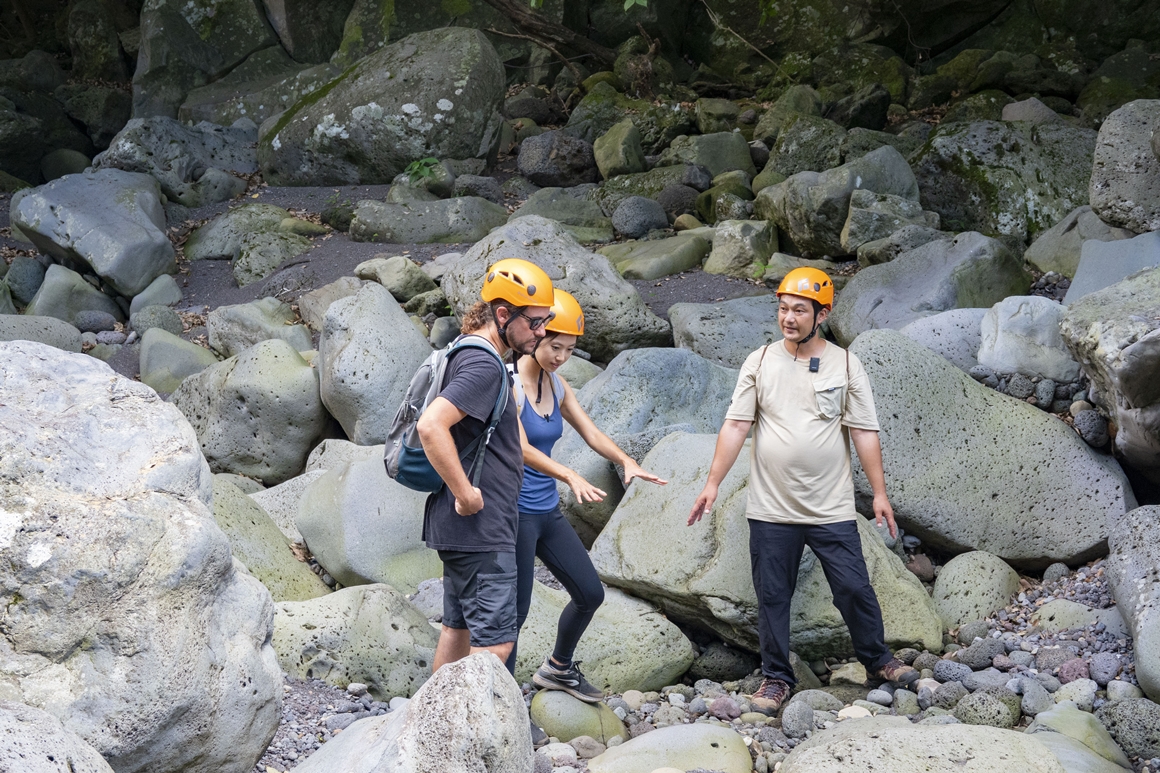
(535, 323)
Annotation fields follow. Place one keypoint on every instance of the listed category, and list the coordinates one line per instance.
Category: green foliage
(423, 169)
(628, 4)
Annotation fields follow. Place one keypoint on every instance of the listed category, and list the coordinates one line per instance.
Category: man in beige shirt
(809, 399)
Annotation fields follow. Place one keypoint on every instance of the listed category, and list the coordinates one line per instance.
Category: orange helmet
(518, 282)
(808, 283)
(567, 316)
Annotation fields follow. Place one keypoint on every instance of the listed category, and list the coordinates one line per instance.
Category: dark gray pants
(775, 550)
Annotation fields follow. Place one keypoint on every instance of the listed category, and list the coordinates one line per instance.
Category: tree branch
(545, 31)
(543, 44)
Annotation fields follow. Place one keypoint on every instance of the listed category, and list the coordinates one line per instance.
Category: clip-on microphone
(814, 364)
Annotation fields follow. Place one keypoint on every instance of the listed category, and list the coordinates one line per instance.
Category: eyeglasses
(535, 323)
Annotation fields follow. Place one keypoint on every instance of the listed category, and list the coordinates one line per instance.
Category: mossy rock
(604, 107)
(707, 201)
(965, 66)
(648, 184)
(985, 106)
(862, 65)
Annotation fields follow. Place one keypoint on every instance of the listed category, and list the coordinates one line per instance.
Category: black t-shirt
(471, 383)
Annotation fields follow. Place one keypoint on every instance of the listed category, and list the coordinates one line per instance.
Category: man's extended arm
(435, 433)
(729, 442)
(870, 455)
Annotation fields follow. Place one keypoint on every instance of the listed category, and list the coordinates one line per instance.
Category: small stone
(925, 698)
(1045, 393)
(89, 321)
(850, 673)
(1078, 407)
(1020, 387)
(1050, 658)
(907, 655)
(697, 706)
(633, 699)
(797, 719)
(1076, 668)
(926, 660)
(981, 653)
(1049, 682)
(854, 712)
(1021, 658)
(983, 708)
(1057, 571)
(881, 697)
(921, 567)
(639, 729)
(1081, 692)
(1036, 698)
(587, 747)
(1002, 663)
(356, 688)
(1123, 691)
(949, 694)
(905, 703)
(753, 718)
(950, 671)
(724, 708)
(1092, 427)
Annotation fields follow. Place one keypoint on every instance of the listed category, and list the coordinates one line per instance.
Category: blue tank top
(539, 494)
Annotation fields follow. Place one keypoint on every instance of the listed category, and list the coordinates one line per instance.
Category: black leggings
(550, 537)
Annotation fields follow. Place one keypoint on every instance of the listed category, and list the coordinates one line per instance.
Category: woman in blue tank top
(545, 401)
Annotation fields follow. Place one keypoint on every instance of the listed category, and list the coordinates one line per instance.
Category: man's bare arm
(435, 433)
(870, 455)
(729, 442)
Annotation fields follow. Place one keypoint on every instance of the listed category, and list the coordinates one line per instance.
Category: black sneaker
(539, 737)
(567, 678)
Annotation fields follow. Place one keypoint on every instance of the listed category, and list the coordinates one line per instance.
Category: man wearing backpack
(808, 399)
(474, 529)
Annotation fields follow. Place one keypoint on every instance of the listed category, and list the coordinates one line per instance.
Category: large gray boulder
(629, 645)
(369, 634)
(811, 208)
(44, 330)
(363, 527)
(1020, 334)
(64, 294)
(1134, 554)
(106, 222)
(706, 746)
(256, 414)
(616, 318)
(703, 573)
(1010, 180)
(450, 221)
(952, 446)
(166, 360)
(579, 215)
(431, 94)
(718, 152)
(894, 743)
(36, 742)
(1103, 264)
(557, 160)
(118, 474)
(954, 335)
(310, 32)
(233, 329)
(195, 166)
(726, 333)
(642, 394)
(256, 541)
(469, 716)
(1115, 336)
(969, 271)
(1058, 248)
(1125, 176)
(368, 352)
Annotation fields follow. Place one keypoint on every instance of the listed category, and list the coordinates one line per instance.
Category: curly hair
(476, 318)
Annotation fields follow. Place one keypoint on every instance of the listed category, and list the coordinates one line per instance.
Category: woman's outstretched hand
(634, 470)
(583, 490)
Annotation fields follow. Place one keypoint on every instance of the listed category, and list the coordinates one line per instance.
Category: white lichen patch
(411, 109)
(276, 143)
(445, 104)
(330, 128)
(9, 523)
(371, 110)
(38, 554)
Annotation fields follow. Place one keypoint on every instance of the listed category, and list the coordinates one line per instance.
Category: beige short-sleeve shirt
(800, 466)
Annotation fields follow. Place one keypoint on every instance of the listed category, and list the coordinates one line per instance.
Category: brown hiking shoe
(897, 673)
(769, 697)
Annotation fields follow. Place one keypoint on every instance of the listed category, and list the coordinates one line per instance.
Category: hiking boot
(770, 695)
(897, 673)
(539, 737)
(567, 678)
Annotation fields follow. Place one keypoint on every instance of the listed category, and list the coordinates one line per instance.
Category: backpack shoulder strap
(518, 392)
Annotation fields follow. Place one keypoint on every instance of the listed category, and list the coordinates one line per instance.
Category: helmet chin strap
(813, 332)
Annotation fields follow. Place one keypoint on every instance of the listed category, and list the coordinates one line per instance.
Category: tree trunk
(538, 28)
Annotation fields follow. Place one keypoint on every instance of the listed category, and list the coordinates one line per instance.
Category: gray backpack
(404, 457)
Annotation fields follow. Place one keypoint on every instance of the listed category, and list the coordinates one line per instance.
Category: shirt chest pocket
(829, 398)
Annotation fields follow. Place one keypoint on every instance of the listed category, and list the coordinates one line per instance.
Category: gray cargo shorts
(479, 595)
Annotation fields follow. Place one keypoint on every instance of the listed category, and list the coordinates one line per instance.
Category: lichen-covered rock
(260, 254)
(719, 153)
(970, 271)
(118, 475)
(256, 414)
(461, 219)
(232, 329)
(557, 159)
(604, 107)
(369, 634)
(810, 209)
(1125, 176)
(221, 238)
(654, 258)
(65, 293)
(704, 573)
(807, 143)
(432, 94)
(1008, 180)
(1020, 334)
(615, 316)
(955, 335)
(741, 248)
(876, 216)
(167, 360)
(106, 222)
(726, 333)
(618, 151)
(950, 443)
(649, 184)
(197, 165)
(264, 85)
(1114, 333)
(580, 216)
